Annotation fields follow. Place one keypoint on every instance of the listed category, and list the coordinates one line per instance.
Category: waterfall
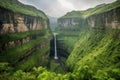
(55, 55)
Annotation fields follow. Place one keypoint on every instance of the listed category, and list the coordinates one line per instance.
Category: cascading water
(55, 55)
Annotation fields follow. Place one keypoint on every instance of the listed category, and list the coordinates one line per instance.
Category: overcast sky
(57, 8)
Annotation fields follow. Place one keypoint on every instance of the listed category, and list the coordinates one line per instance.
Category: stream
(55, 54)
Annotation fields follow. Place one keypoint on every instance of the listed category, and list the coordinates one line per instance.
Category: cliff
(16, 22)
(24, 32)
(95, 51)
(69, 22)
(17, 17)
(71, 19)
(102, 16)
(110, 19)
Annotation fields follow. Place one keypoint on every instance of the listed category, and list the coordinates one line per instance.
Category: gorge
(87, 46)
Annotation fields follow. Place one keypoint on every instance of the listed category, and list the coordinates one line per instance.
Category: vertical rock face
(36, 24)
(6, 21)
(7, 28)
(110, 19)
(20, 25)
(98, 19)
(14, 22)
(68, 22)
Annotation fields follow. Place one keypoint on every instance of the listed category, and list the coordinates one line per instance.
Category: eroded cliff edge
(102, 16)
(24, 34)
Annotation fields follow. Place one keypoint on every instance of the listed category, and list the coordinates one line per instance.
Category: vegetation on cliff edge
(17, 7)
(92, 11)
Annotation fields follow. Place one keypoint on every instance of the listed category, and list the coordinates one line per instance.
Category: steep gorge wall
(24, 37)
(68, 22)
(95, 55)
(109, 19)
(11, 22)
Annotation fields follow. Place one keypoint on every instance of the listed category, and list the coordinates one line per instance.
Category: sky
(58, 8)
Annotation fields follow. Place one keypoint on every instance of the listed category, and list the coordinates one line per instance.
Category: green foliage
(20, 75)
(4, 67)
(39, 73)
(55, 66)
(66, 38)
(95, 57)
(96, 54)
(38, 58)
(17, 7)
(102, 9)
(17, 36)
(14, 54)
(73, 14)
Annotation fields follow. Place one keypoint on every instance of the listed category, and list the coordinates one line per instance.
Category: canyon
(86, 46)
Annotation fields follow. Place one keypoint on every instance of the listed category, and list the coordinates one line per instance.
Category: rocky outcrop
(20, 25)
(15, 22)
(7, 28)
(110, 19)
(68, 22)
(11, 22)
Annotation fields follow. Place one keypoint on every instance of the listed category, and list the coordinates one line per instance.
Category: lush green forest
(95, 56)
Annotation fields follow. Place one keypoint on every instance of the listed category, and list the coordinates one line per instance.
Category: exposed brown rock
(68, 22)
(39, 25)
(11, 22)
(21, 27)
(110, 19)
(7, 28)
(15, 22)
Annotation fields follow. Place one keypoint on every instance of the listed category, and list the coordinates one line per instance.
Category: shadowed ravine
(56, 55)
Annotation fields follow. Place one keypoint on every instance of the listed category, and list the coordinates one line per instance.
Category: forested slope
(24, 36)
